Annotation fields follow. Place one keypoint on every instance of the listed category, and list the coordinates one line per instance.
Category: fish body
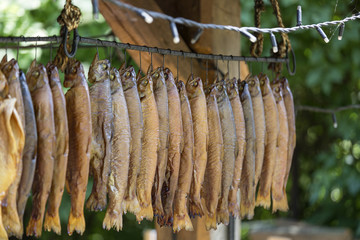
(52, 219)
(175, 141)
(233, 92)
(181, 216)
(161, 99)
(213, 172)
(150, 146)
(197, 99)
(247, 186)
(120, 154)
(263, 197)
(30, 150)
(101, 119)
(78, 111)
(38, 84)
(279, 198)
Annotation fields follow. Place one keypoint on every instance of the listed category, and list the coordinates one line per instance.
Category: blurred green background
(324, 187)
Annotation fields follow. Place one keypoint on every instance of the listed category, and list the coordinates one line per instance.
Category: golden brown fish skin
(52, 219)
(30, 150)
(161, 99)
(10, 214)
(128, 79)
(181, 216)
(175, 140)
(38, 83)
(194, 88)
(247, 186)
(279, 198)
(79, 123)
(101, 118)
(213, 173)
(260, 128)
(120, 154)
(233, 92)
(3, 61)
(230, 146)
(263, 197)
(290, 113)
(150, 146)
(12, 140)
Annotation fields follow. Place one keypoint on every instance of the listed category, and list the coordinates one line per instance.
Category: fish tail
(158, 208)
(94, 204)
(34, 227)
(222, 215)
(52, 222)
(247, 210)
(112, 220)
(3, 234)
(182, 221)
(145, 212)
(11, 221)
(233, 206)
(196, 208)
(210, 221)
(280, 204)
(76, 223)
(262, 200)
(131, 205)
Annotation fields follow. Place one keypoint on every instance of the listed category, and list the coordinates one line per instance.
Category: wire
(327, 110)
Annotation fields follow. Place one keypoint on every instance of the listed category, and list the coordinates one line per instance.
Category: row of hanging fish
(155, 146)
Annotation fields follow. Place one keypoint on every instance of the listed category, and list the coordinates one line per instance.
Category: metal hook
(293, 71)
(35, 50)
(17, 50)
(228, 68)
(151, 65)
(177, 67)
(191, 66)
(140, 62)
(125, 58)
(207, 73)
(163, 60)
(74, 45)
(50, 50)
(239, 71)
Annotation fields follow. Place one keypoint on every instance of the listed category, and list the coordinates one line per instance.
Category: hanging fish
(247, 186)
(263, 197)
(128, 79)
(150, 145)
(3, 61)
(120, 154)
(101, 118)
(175, 140)
(10, 214)
(29, 153)
(78, 111)
(233, 92)
(12, 140)
(194, 88)
(52, 219)
(279, 198)
(181, 216)
(260, 129)
(161, 99)
(38, 83)
(213, 172)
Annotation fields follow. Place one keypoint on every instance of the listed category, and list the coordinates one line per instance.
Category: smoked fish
(181, 216)
(213, 172)
(175, 141)
(128, 79)
(120, 154)
(38, 83)
(10, 214)
(161, 99)
(230, 150)
(263, 197)
(3, 61)
(150, 145)
(101, 119)
(247, 186)
(260, 128)
(233, 92)
(290, 113)
(197, 99)
(12, 139)
(78, 111)
(30, 151)
(52, 219)
(279, 198)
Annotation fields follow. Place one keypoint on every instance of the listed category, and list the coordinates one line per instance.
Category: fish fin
(158, 208)
(222, 216)
(145, 212)
(210, 221)
(3, 234)
(76, 223)
(34, 227)
(247, 210)
(52, 223)
(264, 201)
(280, 204)
(196, 208)
(233, 206)
(11, 221)
(95, 205)
(113, 220)
(182, 222)
(131, 205)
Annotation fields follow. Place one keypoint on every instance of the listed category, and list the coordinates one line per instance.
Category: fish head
(254, 85)
(4, 87)
(74, 74)
(144, 85)
(284, 82)
(194, 86)
(276, 88)
(243, 90)
(128, 78)
(11, 70)
(36, 76)
(115, 82)
(99, 70)
(264, 84)
(169, 77)
(221, 87)
(232, 88)
(158, 77)
(53, 74)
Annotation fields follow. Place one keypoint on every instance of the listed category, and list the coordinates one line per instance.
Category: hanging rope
(256, 48)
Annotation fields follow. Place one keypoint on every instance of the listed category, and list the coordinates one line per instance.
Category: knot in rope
(257, 47)
(69, 16)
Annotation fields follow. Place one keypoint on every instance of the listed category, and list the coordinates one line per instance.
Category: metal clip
(293, 71)
(75, 43)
